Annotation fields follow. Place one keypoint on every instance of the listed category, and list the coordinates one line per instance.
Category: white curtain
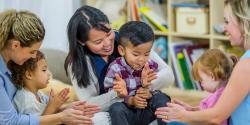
(54, 14)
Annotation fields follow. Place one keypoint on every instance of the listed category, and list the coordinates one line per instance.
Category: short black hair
(136, 32)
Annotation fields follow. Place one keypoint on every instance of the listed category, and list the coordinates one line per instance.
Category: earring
(81, 43)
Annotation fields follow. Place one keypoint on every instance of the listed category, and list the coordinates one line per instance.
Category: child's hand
(147, 76)
(144, 93)
(57, 100)
(183, 104)
(120, 86)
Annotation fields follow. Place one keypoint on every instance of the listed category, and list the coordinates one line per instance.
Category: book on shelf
(134, 9)
(187, 83)
(160, 46)
(183, 54)
(174, 49)
(191, 54)
(154, 18)
(138, 11)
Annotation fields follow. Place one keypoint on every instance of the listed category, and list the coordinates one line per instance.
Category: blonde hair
(241, 9)
(23, 26)
(216, 62)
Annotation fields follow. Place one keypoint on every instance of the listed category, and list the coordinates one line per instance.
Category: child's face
(136, 56)
(208, 81)
(41, 75)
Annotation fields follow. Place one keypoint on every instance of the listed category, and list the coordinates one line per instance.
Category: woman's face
(21, 54)
(232, 28)
(100, 42)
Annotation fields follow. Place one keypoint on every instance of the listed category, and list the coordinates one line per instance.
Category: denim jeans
(121, 114)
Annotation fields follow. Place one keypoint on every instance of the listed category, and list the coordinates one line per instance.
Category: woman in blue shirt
(235, 99)
(21, 36)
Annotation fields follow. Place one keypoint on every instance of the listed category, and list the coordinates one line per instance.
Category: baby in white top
(29, 78)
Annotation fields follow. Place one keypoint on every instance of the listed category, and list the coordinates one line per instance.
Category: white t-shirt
(26, 102)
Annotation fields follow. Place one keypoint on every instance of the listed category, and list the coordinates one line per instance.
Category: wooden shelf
(160, 33)
(221, 37)
(189, 35)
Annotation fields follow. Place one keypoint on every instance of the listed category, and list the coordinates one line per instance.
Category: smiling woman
(20, 41)
(21, 37)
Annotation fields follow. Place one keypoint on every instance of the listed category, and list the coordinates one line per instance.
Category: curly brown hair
(18, 71)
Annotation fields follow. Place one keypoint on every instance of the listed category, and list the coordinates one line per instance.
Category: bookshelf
(215, 16)
(215, 10)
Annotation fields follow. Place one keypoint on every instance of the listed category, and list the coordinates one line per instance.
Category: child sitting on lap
(136, 71)
(212, 70)
(29, 78)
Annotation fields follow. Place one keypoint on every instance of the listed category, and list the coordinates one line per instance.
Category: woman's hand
(74, 117)
(88, 109)
(120, 86)
(144, 93)
(147, 76)
(173, 112)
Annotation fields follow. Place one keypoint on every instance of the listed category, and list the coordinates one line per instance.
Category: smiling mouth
(108, 49)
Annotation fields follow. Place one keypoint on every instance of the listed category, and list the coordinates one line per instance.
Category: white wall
(110, 7)
(54, 14)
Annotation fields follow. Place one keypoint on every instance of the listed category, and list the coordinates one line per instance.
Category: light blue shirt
(241, 116)
(8, 113)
